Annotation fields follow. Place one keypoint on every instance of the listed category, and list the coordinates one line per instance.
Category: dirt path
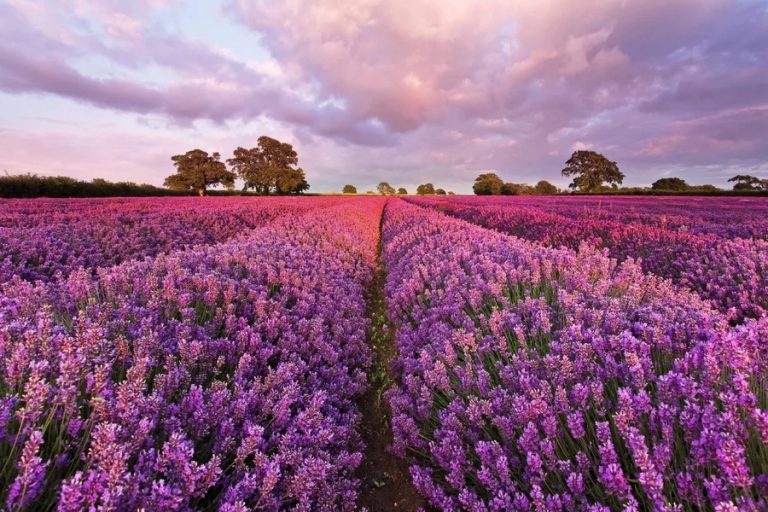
(386, 482)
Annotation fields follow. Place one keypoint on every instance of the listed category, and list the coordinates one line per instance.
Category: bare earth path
(386, 482)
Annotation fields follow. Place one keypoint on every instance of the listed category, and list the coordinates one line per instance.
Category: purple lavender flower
(608, 387)
(221, 374)
(31, 477)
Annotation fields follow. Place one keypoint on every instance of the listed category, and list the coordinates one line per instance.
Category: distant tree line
(428, 189)
(269, 168)
(679, 185)
(741, 183)
(386, 189)
(32, 185)
(489, 184)
(593, 173)
(272, 168)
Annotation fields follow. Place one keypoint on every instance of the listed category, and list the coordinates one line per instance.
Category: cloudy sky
(405, 91)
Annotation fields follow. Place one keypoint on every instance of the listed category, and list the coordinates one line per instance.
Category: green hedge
(649, 192)
(32, 185)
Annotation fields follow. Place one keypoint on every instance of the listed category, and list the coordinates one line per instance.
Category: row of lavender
(545, 379)
(216, 377)
(726, 217)
(41, 238)
(732, 273)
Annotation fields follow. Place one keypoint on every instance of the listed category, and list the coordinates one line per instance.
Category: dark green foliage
(402, 191)
(270, 168)
(510, 189)
(488, 184)
(693, 190)
(197, 170)
(385, 189)
(31, 185)
(349, 189)
(675, 184)
(745, 182)
(704, 188)
(425, 189)
(544, 187)
(440, 192)
(591, 171)
(516, 189)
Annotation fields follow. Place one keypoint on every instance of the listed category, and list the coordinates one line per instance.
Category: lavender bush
(547, 379)
(732, 273)
(42, 238)
(218, 377)
(206, 354)
(726, 217)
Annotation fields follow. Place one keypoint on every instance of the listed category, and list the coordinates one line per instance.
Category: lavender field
(528, 353)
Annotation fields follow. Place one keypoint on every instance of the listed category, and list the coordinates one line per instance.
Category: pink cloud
(456, 85)
(726, 136)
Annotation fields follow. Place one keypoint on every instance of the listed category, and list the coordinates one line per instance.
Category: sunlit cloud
(397, 90)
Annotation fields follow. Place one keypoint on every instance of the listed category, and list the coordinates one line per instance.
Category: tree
(196, 170)
(746, 182)
(425, 189)
(271, 167)
(673, 184)
(440, 192)
(544, 187)
(488, 184)
(402, 191)
(385, 189)
(510, 189)
(590, 170)
(349, 189)
(291, 181)
(515, 189)
(704, 188)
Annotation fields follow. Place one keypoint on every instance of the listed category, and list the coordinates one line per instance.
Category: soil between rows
(385, 480)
